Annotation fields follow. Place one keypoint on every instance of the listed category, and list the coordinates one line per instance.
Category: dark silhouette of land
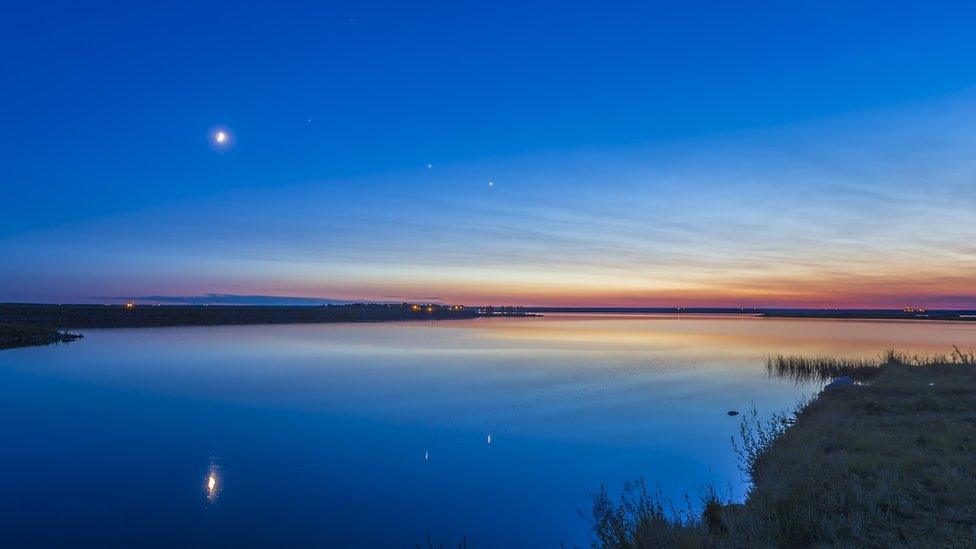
(25, 336)
(141, 316)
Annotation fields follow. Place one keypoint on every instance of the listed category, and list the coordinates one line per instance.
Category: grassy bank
(887, 461)
(25, 336)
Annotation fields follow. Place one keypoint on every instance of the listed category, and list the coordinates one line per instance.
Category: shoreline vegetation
(133, 315)
(885, 456)
(28, 336)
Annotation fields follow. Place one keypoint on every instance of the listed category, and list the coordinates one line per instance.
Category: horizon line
(313, 302)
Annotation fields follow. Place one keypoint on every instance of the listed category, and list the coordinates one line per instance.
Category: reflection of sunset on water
(728, 336)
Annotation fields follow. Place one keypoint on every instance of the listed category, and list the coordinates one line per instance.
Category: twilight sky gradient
(761, 154)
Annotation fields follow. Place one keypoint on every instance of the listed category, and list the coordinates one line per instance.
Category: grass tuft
(821, 368)
(640, 518)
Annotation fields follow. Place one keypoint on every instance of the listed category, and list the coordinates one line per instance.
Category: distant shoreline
(147, 316)
(865, 314)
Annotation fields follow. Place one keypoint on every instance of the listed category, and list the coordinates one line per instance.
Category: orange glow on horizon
(930, 285)
(925, 286)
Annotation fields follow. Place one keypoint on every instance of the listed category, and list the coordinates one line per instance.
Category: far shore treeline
(137, 315)
(133, 315)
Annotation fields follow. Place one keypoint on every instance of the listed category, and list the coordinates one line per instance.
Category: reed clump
(803, 369)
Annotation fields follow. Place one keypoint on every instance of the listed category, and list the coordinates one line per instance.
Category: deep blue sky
(106, 110)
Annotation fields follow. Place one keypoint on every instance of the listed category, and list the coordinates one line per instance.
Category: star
(491, 183)
(429, 165)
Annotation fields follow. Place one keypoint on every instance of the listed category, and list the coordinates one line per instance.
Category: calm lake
(494, 429)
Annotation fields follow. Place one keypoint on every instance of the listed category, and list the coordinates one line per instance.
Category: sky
(761, 154)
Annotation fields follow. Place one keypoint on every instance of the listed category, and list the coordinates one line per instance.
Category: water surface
(374, 434)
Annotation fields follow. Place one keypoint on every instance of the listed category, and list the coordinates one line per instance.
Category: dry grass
(890, 462)
(643, 519)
